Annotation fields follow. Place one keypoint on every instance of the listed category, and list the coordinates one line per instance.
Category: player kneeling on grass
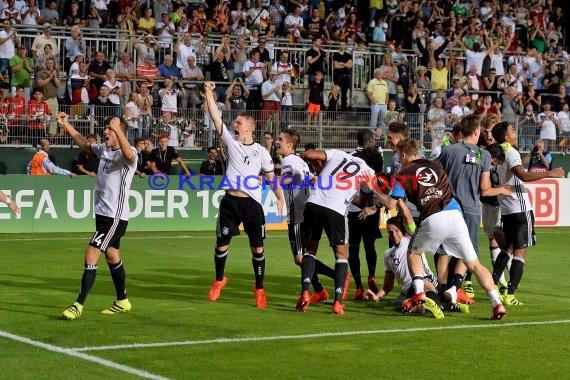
(118, 162)
(395, 262)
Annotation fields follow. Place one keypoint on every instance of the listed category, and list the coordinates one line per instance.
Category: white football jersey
(298, 191)
(113, 182)
(339, 180)
(396, 262)
(245, 162)
(518, 201)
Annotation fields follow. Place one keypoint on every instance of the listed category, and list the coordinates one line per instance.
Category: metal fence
(191, 128)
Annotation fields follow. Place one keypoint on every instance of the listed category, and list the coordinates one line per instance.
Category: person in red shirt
(17, 112)
(39, 113)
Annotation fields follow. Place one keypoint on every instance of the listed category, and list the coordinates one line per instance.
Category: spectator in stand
(191, 73)
(22, 67)
(539, 159)
(277, 13)
(77, 86)
(102, 108)
(125, 71)
(169, 96)
(11, 12)
(184, 49)
(148, 46)
(47, 53)
(41, 164)
(271, 93)
(257, 15)
(74, 45)
(168, 69)
(132, 117)
(30, 13)
(486, 106)
(377, 92)
(165, 31)
(474, 85)
(254, 76)
(236, 97)
(316, 26)
(315, 59)
(314, 99)
(239, 55)
(415, 105)
(392, 114)
(148, 70)
(161, 6)
(212, 166)
(98, 69)
(493, 84)
(283, 68)
(460, 110)
(437, 122)
(87, 163)
(73, 16)
(115, 91)
(39, 115)
(527, 126)
(145, 102)
(202, 52)
(44, 39)
(8, 40)
(342, 63)
(147, 23)
(440, 73)
(48, 82)
(49, 14)
(548, 122)
(390, 75)
(220, 66)
(512, 104)
(552, 79)
(127, 21)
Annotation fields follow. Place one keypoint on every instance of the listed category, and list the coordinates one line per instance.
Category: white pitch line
(80, 355)
(133, 238)
(309, 336)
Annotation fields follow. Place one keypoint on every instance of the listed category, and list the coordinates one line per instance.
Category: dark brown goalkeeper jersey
(425, 184)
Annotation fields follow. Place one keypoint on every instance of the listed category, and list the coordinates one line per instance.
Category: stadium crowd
(481, 57)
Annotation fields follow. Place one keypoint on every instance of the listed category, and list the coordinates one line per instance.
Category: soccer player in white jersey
(338, 183)
(117, 165)
(242, 201)
(396, 269)
(516, 210)
(296, 181)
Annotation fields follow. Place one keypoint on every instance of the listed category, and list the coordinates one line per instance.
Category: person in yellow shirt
(147, 23)
(377, 92)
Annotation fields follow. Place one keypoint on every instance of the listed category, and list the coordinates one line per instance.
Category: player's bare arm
(489, 191)
(209, 88)
(115, 126)
(12, 205)
(78, 138)
(270, 177)
(535, 176)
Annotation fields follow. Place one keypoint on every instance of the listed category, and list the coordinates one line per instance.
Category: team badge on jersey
(426, 176)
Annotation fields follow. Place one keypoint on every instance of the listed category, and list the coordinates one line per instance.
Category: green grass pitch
(182, 335)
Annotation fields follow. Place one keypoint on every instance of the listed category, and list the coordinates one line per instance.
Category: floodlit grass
(168, 278)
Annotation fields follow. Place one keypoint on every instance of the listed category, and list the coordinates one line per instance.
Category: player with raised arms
(117, 165)
(242, 202)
